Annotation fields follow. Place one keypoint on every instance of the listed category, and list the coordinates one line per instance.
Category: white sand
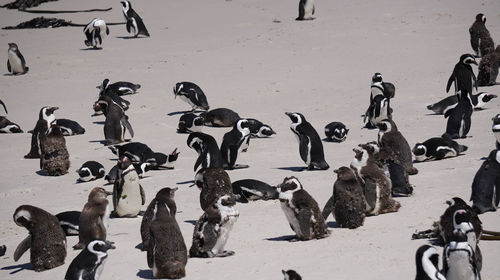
(261, 69)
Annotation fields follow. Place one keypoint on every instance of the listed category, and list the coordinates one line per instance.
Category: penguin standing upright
(192, 94)
(16, 63)
(232, 143)
(310, 145)
(208, 151)
(392, 141)
(119, 88)
(213, 183)
(488, 68)
(128, 194)
(46, 119)
(306, 10)
(89, 264)
(496, 129)
(116, 123)
(135, 25)
(95, 31)
(427, 262)
(485, 194)
(463, 76)
(480, 38)
(459, 260)
(54, 158)
(380, 95)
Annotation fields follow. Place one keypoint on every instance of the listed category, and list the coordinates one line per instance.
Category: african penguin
(301, 210)
(427, 262)
(220, 117)
(462, 76)
(54, 157)
(69, 127)
(477, 31)
(100, 107)
(378, 86)
(446, 221)
(259, 129)
(190, 122)
(137, 152)
(336, 132)
(291, 275)
(116, 123)
(112, 175)
(232, 143)
(478, 101)
(69, 222)
(16, 63)
(7, 126)
(485, 194)
(391, 140)
(250, 189)
(128, 194)
(488, 68)
(459, 118)
(459, 261)
(89, 264)
(91, 170)
(310, 145)
(306, 10)
(95, 31)
(192, 94)
(208, 151)
(377, 111)
(118, 88)
(46, 119)
(46, 239)
(437, 148)
(496, 129)
(163, 161)
(135, 25)
(213, 183)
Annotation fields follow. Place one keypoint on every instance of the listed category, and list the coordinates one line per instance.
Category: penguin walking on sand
(54, 158)
(459, 260)
(16, 63)
(220, 117)
(488, 68)
(128, 194)
(7, 126)
(192, 94)
(496, 129)
(310, 145)
(437, 148)
(119, 88)
(391, 140)
(212, 183)
(208, 151)
(91, 170)
(480, 38)
(306, 10)
(116, 123)
(135, 25)
(232, 143)
(46, 239)
(89, 264)
(301, 210)
(95, 31)
(427, 262)
(94, 219)
(485, 194)
(46, 119)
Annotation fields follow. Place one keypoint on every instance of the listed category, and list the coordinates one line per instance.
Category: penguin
(163, 161)
(220, 117)
(95, 31)
(116, 123)
(301, 210)
(459, 260)
(291, 275)
(119, 88)
(135, 25)
(89, 264)
(459, 118)
(446, 223)
(347, 202)
(190, 122)
(377, 111)
(488, 68)
(101, 107)
(391, 140)
(167, 253)
(69, 222)
(46, 239)
(46, 119)
(462, 76)
(259, 129)
(192, 94)
(306, 10)
(232, 143)
(437, 148)
(211, 231)
(164, 196)
(69, 127)
(250, 189)
(91, 170)
(16, 63)
(477, 31)
(336, 132)
(3, 249)
(94, 219)
(485, 195)
(427, 263)
(7, 126)
(208, 151)
(213, 183)
(137, 152)
(128, 194)
(376, 185)
(54, 158)
(310, 146)
(478, 101)
(496, 129)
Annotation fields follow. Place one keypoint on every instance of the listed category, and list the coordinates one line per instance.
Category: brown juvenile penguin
(94, 218)
(54, 159)
(488, 68)
(480, 38)
(348, 202)
(46, 119)
(164, 196)
(376, 185)
(213, 183)
(46, 239)
(301, 210)
(391, 141)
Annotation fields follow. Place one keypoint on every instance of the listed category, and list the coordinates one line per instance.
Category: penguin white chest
(16, 65)
(459, 266)
(309, 8)
(292, 219)
(224, 230)
(186, 99)
(130, 200)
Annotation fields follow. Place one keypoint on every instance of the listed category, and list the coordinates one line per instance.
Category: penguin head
(242, 126)
(426, 256)
(485, 97)
(198, 121)
(98, 194)
(126, 5)
(254, 125)
(468, 59)
(296, 118)
(288, 187)
(13, 46)
(387, 125)
(461, 216)
(225, 201)
(98, 247)
(345, 173)
(199, 178)
(124, 162)
(496, 119)
(195, 141)
(457, 202)
(419, 150)
(291, 275)
(165, 194)
(265, 130)
(178, 89)
(377, 78)
(371, 147)
(47, 114)
(340, 134)
(22, 216)
(104, 85)
(481, 18)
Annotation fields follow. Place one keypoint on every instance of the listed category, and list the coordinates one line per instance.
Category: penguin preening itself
(7, 126)
(101, 107)
(95, 31)
(89, 264)
(250, 189)
(91, 170)
(478, 101)
(437, 148)
(459, 259)
(306, 10)
(485, 194)
(336, 132)
(208, 151)
(46, 239)
(427, 263)
(128, 194)
(232, 143)
(392, 141)
(192, 94)
(220, 117)
(116, 123)
(496, 129)
(46, 119)
(190, 122)
(480, 38)
(462, 76)
(16, 63)
(54, 158)
(119, 88)
(310, 145)
(212, 183)
(135, 25)
(488, 68)
(291, 275)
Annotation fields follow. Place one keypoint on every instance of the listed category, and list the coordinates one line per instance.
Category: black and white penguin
(16, 63)
(116, 123)
(112, 175)
(89, 264)
(291, 275)
(46, 239)
(69, 222)
(190, 122)
(135, 25)
(212, 183)
(336, 132)
(306, 10)
(478, 101)
(7, 126)
(232, 143)
(46, 119)
(128, 194)
(459, 118)
(301, 210)
(250, 189)
(437, 148)
(91, 170)
(220, 117)
(446, 223)
(391, 140)
(95, 31)
(137, 152)
(427, 262)
(488, 68)
(101, 107)
(94, 219)
(259, 129)
(119, 88)
(211, 231)
(69, 127)
(496, 129)
(462, 76)
(192, 94)
(164, 196)
(163, 161)
(459, 260)
(54, 157)
(480, 38)
(347, 202)
(378, 86)
(380, 95)
(208, 151)
(310, 145)
(485, 194)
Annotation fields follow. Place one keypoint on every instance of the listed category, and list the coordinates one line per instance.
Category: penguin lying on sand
(250, 189)
(478, 101)
(437, 148)
(7, 126)
(118, 88)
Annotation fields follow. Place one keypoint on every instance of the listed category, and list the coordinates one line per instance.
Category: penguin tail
(461, 148)
(430, 107)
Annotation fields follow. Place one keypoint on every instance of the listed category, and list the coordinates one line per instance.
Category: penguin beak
(288, 113)
(52, 109)
(336, 171)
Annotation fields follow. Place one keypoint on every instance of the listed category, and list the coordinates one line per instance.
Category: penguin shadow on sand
(184, 112)
(145, 274)
(332, 225)
(98, 122)
(91, 49)
(190, 182)
(193, 222)
(129, 37)
(18, 268)
(289, 238)
(297, 168)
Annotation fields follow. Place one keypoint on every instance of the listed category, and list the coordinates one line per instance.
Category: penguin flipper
(303, 147)
(233, 155)
(8, 66)
(200, 159)
(305, 221)
(124, 121)
(129, 25)
(22, 247)
(143, 195)
(117, 192)
(450, 81)
(328, 209)
(150, 256)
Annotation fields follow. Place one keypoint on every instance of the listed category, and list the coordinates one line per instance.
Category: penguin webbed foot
(224, 254)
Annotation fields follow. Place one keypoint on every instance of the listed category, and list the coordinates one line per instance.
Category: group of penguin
(379, 170)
